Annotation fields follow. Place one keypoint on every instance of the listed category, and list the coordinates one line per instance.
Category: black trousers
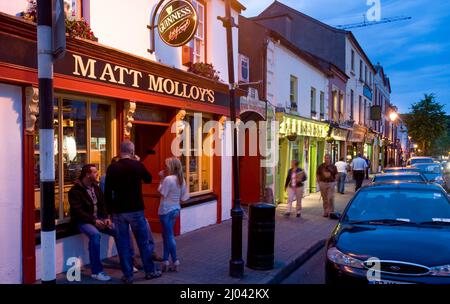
(358, 176)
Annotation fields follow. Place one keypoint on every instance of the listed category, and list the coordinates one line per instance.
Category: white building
(105, 91)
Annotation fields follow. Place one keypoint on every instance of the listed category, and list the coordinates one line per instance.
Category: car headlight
(337, 257)
(439, 180)
(440, 271)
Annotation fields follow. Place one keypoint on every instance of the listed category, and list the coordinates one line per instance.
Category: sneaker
(299, 214)
(165, 266)
(176, 266)
(127, 280)
(135, 269)
(156, 258)
(287, 214)
(153, 275)
(101, 276)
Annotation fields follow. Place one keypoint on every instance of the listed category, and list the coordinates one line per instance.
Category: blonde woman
(173, 190)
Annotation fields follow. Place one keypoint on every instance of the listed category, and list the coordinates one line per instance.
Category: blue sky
(415, 53)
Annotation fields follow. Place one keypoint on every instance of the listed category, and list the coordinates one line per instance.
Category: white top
(358, 164)
(341, 166)
(171, 193)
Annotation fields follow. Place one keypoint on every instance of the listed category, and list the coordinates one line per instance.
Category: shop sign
(92, 69)
(177, 23)
(339, 134)
(289, 126)
(251, 103)
(357, 134)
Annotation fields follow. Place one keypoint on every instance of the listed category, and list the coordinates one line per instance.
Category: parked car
(399, 177)
(433, 173)
(401, 169)
(392, 234)
(419, 160)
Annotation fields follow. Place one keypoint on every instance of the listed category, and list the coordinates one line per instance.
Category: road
(312, 272)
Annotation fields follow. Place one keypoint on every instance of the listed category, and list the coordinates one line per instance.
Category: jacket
(288, 178)
(82, 206)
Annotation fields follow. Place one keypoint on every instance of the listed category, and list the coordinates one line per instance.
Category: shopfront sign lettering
(177, 23)
(92, 69)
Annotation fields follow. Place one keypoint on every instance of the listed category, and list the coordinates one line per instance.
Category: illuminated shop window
(85, 126)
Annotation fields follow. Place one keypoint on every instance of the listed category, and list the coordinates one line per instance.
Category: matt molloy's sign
(177, 23)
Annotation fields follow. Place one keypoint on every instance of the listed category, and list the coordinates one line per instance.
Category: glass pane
(74, 143)
(206, 163)
(37, 180)
(99, 136)
(194, 185)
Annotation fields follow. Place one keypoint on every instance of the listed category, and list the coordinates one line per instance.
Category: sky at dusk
(415, 53)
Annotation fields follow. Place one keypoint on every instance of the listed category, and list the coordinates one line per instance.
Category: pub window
(360, 110)
(353, 61)
(360, 70)
(341, 107)
(313, 102)
(322, 105)
(199, 38)
(197, 167)
(82, 135)
(352, 101)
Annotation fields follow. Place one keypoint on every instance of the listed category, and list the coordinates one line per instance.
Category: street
(312, 272)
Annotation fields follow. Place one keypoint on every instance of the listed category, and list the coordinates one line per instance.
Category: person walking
(341, 167)
(123, 193)
(358, 166)
(88, 214)
(294, 187)
(368, 166)
(326, 176)
(173, 190)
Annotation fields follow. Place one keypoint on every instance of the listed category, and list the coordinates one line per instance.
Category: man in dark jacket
(294, 187)
(88, 213)
(123, 194)
(326, 176)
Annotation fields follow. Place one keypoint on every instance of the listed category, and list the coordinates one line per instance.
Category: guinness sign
(177, 22)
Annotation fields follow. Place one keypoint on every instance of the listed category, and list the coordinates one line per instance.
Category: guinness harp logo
(177, 22)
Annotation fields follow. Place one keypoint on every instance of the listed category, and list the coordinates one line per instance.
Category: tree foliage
(426, 122)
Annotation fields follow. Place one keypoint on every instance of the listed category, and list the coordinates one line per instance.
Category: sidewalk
(205, 253)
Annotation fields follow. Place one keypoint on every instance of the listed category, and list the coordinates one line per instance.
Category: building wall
(198, 216)
(11, 177)
(286, 64)
(13, 7)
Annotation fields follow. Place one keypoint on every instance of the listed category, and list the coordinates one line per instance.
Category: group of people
(119, 208)
(328, 175)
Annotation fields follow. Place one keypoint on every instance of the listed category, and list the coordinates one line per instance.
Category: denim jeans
(341, 182)
(168, 222)
(94, 236)
(143, 236)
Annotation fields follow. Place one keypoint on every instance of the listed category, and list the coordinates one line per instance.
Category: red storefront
(102, 96)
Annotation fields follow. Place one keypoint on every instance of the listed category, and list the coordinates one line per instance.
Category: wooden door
(250, 175)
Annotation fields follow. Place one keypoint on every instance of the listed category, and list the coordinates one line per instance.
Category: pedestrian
(89, 216)
(173, 190)
(326, 176)
(342, 168)
(123, 192)
(294, 186)
(368, 166)
(358, 166)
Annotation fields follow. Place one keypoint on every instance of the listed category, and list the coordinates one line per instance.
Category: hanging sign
(177, 23)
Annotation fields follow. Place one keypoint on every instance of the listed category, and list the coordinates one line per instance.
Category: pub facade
(119, 86)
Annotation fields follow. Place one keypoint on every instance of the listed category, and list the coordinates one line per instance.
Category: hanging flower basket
(329, 139)
(205, 69)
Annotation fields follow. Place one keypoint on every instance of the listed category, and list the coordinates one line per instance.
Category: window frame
(202, 54)
(110, 150)
(352, 101)
(199, 163)
(313, 97)
(293, 92)
(322, 104)
(352, 60)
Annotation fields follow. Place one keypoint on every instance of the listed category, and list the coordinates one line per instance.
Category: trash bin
(261, 236)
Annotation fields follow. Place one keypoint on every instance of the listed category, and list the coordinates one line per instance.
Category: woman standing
(173, 190)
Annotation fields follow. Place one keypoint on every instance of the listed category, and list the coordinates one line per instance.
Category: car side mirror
(335, 215)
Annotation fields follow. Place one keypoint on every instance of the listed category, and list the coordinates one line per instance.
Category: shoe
(135, 269)
(176, 266)
(101, 276)
(165, 266)
(127, 280)
(325, 215)
(299, 214)
(153, 275)
(287, 214)
(156, 258)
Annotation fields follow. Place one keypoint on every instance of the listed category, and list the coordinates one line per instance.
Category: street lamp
(236, 263)
(393, 116)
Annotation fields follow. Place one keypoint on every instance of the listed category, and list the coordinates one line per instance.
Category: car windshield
(429, 168)
(391, 170)
(390, 178)
(407, 205)
(422, 161)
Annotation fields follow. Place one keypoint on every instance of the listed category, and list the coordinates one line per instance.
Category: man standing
(326, 175)
(368, 166)
(341, 166)
(124, 179)
(88, 213)
(358, 166)
(294, 187)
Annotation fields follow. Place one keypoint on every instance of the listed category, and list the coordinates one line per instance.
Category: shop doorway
(152, 145)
